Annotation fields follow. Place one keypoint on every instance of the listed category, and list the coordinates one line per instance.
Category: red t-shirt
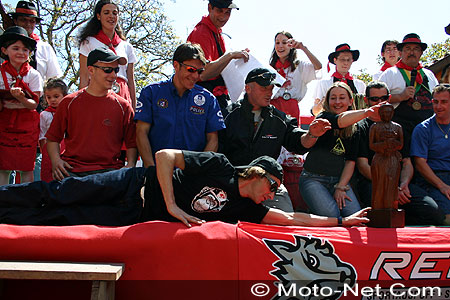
(93, 129)
(203, 35)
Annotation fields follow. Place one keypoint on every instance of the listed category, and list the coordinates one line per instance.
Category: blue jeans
(318, 192)
(111, 198)
(436, 194)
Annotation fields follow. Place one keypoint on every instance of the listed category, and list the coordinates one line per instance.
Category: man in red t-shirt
(208, 34)
(94, 122)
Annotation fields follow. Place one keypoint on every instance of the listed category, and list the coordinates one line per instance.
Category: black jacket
(239, 143)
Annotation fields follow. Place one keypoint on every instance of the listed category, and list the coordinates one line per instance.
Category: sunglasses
(376, 99)
(108, 70)
(192, 69)
(265, 76)
(273, 183)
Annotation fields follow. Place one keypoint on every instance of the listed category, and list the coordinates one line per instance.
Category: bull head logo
(310, 262)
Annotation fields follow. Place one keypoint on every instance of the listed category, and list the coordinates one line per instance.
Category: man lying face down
(194, 187)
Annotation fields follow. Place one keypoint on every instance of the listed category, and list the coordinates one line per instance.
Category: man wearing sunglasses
(94, 122)
(420, 208)
(191, 187)
(177, 113)
(256, 128)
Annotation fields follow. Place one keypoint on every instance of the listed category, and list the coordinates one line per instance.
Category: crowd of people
(225, 160)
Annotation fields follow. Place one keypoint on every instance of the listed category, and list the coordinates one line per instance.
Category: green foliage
(435, 52)
(144, 23)
(364, 76)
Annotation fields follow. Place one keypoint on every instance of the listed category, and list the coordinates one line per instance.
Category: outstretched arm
(214, 68)
(166, 161)
(279, 217)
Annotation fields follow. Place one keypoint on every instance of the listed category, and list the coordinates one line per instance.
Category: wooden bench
(103, 275)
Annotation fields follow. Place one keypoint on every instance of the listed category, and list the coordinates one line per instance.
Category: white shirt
(34, 81)
(124, 49)
(47, 63)
(396, 84)
(297, 80)
(324, 84)
(46, 119)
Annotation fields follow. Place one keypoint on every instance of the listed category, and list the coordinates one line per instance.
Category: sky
(320, 24)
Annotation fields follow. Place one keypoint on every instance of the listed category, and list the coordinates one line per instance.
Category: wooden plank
(60, 270)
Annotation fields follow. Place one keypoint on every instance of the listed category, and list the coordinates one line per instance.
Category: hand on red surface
(181, 215)
(359, 218)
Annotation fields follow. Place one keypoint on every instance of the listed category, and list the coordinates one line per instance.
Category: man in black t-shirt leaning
(420, 208)
(192, 187)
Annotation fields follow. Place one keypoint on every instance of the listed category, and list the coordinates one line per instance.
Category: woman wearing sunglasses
(103, 30)
(324, 183)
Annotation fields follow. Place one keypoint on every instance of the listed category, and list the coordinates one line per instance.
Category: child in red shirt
(21, 86)
(54, 91)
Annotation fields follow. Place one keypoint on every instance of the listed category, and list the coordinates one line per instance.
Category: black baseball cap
(104, 55)
(269, 165)
(223, 4)
(262, 76)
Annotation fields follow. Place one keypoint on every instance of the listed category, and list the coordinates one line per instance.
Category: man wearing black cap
(208, 33)
(192, 187)
(410, 85)
(343, 57)
(94, 123)
(44, 58)
(255, 128)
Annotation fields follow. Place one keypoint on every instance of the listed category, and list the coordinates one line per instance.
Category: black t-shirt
(363, 144)
(328, 155)
(208, 189)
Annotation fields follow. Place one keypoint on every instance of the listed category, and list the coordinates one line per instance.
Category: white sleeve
(44, 124)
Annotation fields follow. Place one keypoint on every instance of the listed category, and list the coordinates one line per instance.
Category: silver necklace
(445, 134)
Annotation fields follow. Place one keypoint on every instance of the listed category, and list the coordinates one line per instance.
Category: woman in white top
(103, 30)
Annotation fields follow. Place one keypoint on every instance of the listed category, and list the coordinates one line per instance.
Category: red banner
(244, 261)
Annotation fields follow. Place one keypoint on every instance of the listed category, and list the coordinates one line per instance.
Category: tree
(143, 21)
(435, 52)
(364, 76)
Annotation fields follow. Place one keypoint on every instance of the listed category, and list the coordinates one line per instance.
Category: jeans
(442, 201)
(111, 198)
(318, 192)
(422, 210)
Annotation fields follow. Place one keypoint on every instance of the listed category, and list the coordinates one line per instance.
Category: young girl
(19, 121)
(54, 91)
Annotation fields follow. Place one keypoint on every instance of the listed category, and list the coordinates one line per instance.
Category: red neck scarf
(102, 37)
(281, 66)
(35, 37)
(51, 109)
(342, 78)
(401, 65)
(385, 66)
(18, 77)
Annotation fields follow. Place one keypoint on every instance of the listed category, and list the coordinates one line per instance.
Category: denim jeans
(435, 193)
(318, 192)
(111, 198)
